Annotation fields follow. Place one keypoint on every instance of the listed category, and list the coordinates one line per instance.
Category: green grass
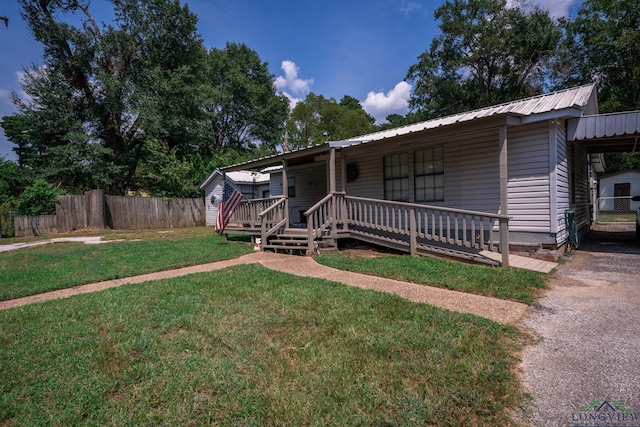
(511, 284)
(61, 265)
(616, 217)
(250, 346)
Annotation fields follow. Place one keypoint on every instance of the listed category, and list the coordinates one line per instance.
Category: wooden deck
(408, 227)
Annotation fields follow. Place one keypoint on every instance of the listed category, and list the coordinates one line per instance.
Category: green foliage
(242, 107)
(317, 120)
(38, 199)
(486, 54)
(604, 40)
(105, 91)
(616, 162)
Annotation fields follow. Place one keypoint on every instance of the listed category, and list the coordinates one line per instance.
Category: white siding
(562, 188)
(472, 172)
(528, 151)
(214, 188)
(310, 184)
(607, 185)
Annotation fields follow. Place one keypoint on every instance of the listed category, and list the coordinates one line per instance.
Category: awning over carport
(606, 133)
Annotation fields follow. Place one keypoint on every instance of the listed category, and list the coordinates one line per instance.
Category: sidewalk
(501, 311)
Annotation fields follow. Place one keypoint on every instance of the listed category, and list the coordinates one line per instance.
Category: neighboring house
(616, 191)
(452, 182)
(252, 185)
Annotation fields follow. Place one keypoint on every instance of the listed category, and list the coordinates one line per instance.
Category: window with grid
(396, 177)
(429, 174)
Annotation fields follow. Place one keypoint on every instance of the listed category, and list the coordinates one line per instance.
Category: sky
(360, 48)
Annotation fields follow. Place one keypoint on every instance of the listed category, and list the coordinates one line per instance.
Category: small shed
(252, 185)
(617, 190)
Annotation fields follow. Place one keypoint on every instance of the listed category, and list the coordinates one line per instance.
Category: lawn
(511, 284)
(61, 265)
(250, 346)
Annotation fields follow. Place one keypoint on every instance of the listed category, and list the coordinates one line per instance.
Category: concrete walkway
(506, 312)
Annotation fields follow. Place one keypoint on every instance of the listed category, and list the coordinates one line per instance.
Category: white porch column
(332, 170)
(504, 196)
(285, 190)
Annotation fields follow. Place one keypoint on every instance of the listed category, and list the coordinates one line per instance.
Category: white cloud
(408, 6)
(556, 8)
(380, 105)
(290, 85)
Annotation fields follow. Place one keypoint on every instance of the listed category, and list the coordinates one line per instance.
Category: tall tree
(118, 85)
(602, 45)
(318, 119)
(242, 107)
(487, 53)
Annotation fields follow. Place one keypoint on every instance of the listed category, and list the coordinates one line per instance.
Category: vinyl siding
(311, 186)
(528, 152)
(211, 210)
(472, 174)
(562, 187)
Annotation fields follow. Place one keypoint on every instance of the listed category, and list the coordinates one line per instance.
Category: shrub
(38, 199)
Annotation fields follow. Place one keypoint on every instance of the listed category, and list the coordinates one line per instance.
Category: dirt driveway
(585, 370)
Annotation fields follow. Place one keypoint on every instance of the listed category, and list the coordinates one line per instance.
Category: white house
(252, 185)
(617, 190)
(513, 169)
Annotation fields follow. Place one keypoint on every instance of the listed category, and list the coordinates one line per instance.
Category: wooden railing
(325, 218)
(273, 219)
(466, 229)
(247, 214)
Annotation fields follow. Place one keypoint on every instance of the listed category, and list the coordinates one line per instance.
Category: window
(396, 177)
(247, 191)
(429, 174)
(291, 183)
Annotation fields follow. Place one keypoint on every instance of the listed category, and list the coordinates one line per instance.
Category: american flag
(231, 198)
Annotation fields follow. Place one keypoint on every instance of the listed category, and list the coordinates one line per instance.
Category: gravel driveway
(588, 327)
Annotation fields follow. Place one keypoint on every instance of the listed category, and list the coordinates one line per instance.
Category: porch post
(285, 191)
(504, 197)
(332, 170)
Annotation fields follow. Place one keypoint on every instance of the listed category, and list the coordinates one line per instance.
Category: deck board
(522, 262)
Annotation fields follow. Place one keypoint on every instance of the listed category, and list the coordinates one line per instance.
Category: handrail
(440, 208)
(273, 219)
(413, 224)
(324, 217)
(272, 207)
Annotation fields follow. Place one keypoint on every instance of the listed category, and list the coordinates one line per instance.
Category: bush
(38, 199)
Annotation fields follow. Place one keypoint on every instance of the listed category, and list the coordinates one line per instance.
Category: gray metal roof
(562, 102)
(615, 132)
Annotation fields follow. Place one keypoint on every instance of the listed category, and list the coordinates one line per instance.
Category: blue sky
(361, 48)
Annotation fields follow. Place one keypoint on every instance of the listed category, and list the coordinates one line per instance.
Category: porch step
(291, 241)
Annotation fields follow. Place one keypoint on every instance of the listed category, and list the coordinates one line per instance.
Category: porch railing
(325, 218)
(422, 223)
(273, 219)
(247, 214)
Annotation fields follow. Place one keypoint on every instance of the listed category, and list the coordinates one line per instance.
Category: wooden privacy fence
(95, 211)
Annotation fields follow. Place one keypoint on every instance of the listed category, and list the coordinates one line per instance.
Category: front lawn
(250, 346)
(511, 284)
(54, 266)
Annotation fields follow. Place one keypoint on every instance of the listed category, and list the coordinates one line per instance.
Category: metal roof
(616, 132)
(562, 102)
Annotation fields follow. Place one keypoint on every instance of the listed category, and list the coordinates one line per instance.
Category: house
(252, 185)
(473, 184)
(617, 191)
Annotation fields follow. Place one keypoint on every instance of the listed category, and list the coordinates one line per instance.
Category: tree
(109, 90)
(242, 107)
(602, 44)
(318, 119)
(604, 40)
(486, 54)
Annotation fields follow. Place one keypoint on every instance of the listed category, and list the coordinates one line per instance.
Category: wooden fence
(95, 211)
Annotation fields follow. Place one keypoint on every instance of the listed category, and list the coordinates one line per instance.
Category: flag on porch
(231, 198)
